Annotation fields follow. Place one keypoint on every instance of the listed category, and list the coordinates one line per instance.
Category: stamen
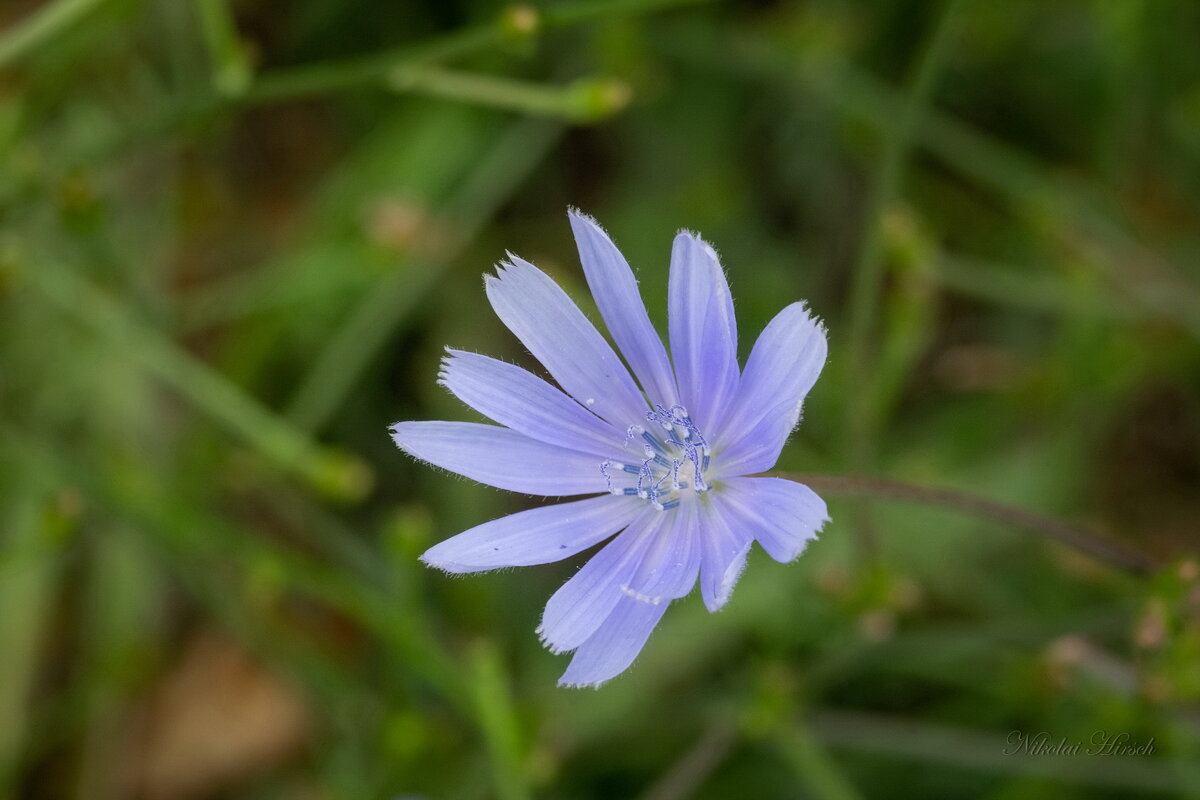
(663, 457)
(653, 442)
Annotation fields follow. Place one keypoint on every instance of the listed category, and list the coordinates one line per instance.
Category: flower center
(675, 456)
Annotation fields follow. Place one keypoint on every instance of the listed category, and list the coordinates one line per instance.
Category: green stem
(814, 767)
(869, 269)
(333, 76)
(574, 13)
(582, 101)
(336, 75)
(200, 547)
(40, 26)
(1031, 289)
(498, 723)
(27, 591)
(337, 474)
(1158, 287)
(231, 64)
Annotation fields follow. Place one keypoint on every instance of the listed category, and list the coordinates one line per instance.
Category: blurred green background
(236, 234)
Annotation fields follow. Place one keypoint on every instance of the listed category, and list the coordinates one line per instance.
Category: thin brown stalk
(1092, 544)
(694, 766)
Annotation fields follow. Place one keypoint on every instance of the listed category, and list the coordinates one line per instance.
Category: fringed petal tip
(548, 644)
(614, 287)
(573, 213)
(575, 216)
(697, 240)
(404, 436)
(502, 267)
(614, 646)
(802, 547)
(513, 263)
(566, 684)
(437, 563)
(438, 558)
(802, 307)
(395, 431)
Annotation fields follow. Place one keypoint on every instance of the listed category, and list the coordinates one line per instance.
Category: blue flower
(666, 450)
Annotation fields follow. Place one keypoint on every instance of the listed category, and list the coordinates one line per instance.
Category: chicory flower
(665, 445)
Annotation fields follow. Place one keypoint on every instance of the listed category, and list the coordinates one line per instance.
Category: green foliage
(234, 237)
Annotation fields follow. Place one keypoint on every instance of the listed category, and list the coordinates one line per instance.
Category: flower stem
(813, 765)
(335, 75)
(497, 718)
(1098, 547)
(693, 768)
(869, 269)
(328, 77)
(336, 474)
(582, 101)
(231, 70)
(39, 26)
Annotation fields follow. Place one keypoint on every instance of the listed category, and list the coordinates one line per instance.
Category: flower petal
(616, 293)
(582, 604)
(782, 368)
(615, 644)
(518, 399)
(557, 333)
(703, 330)
(724, 551)
(784, 516)
(672, 562)
(536, 536)
(501, 458)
